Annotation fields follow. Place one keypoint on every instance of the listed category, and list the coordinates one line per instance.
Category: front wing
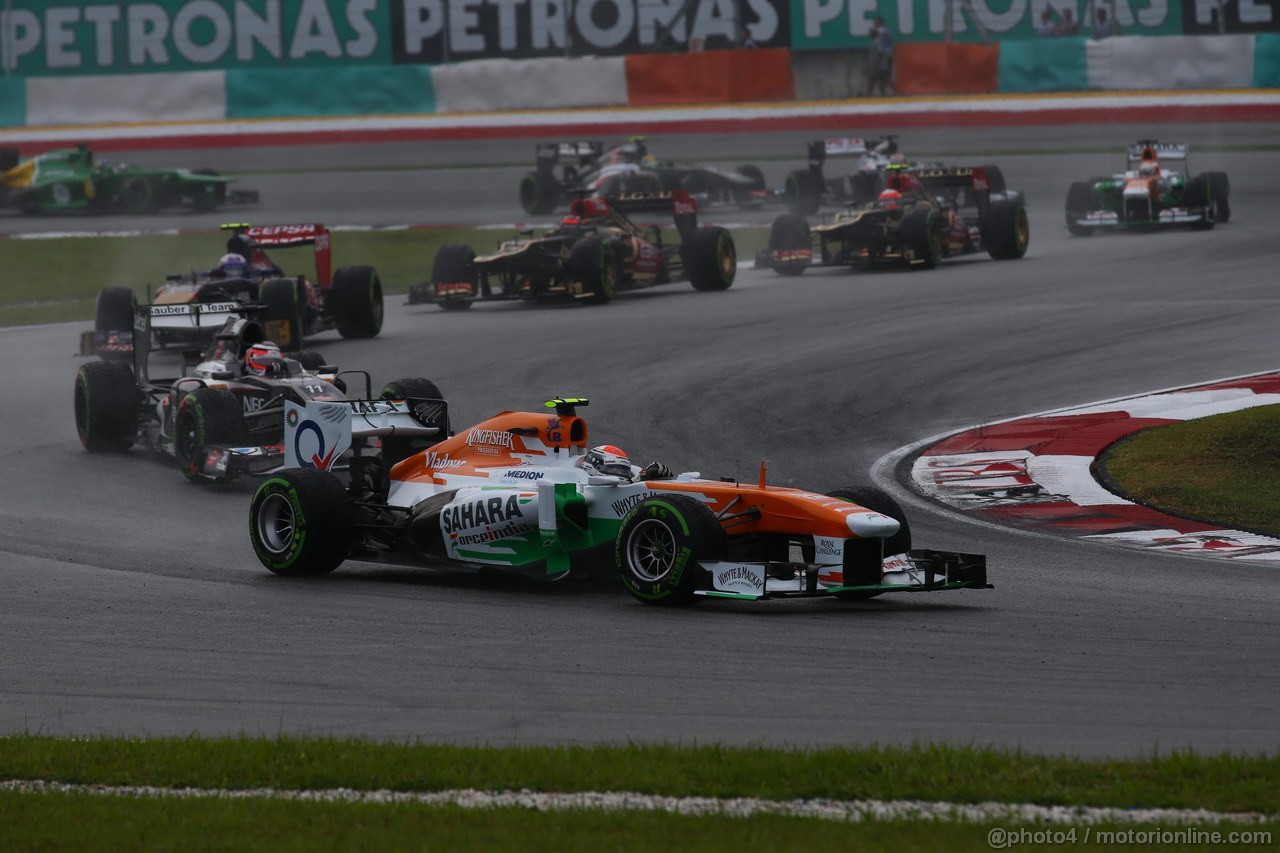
(915, 571)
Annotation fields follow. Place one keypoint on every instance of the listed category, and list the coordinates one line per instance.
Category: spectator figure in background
(881, 58)
(1047, 28)
(1103, 24)
(745, 39)
(1068, 26)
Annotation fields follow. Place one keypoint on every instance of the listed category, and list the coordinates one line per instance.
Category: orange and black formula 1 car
(596, 252)
(524, 492)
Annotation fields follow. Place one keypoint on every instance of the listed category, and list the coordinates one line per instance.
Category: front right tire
(107, 404)
(660, 544)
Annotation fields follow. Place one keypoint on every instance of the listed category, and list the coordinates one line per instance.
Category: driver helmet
(1148, 169)
(608, 460)
(233, 265)
(890, 199)
(260, 358)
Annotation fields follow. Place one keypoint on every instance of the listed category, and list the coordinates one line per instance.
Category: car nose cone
(871, 524)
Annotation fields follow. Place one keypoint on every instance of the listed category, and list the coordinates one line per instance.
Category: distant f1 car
(190, 307)
(71, 179)
(1156, 190)
(521, 492)
(930, 213)
(596, 252)
(588, 169)
(224, 416)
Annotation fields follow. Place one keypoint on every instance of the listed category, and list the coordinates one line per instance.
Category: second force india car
(522, 492)
(70, 179)
(588, 169)
(190, 307)
(1155, 191)
(221, 418)
(596, 252)
(924, 215)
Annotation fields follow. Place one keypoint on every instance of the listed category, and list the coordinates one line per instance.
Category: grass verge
(57, 280)
(87, 821)
(1222, 468)
(1224, 783)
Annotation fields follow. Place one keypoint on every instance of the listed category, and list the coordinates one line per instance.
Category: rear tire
(790, 233)
(921, 235)
(356, 302)
(454, 263)
(660, 544)
(282, 321)
(206, 416)
(711, 258)
(107, 405)
(802, 193)
(594, 262)
(300, 522)
(1079, 203)
(1221, 186)
(309, 359)
(539, 193)
(139, 196)
(1199, 194)
(1007, 232)
(115, 310)
(995, 179)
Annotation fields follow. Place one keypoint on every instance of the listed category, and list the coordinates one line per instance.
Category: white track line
(840, 810)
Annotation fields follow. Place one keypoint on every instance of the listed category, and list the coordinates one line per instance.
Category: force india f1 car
(596, 252)
(221, 418)
(1155, 191)
(521, 492)
(191, 307)
(70, 179)
(934, 213)
(588, 169)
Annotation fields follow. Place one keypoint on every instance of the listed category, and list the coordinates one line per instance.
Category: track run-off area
(134, 604)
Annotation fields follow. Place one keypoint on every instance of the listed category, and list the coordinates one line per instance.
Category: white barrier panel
(508, 84)
(827, 75)
(126, 98)
(1171, 62)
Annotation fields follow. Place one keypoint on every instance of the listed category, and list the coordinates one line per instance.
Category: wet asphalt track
(132, 602)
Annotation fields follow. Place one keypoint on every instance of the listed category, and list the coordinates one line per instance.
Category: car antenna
(764, 468)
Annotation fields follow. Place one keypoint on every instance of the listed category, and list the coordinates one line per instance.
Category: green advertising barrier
(13, 102)
(829, 24)
(1045, 65)
(1266, 61)
(303, 92)
(41, 38)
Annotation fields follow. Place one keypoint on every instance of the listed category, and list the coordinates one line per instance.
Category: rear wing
(250, 240)
(821, 149)
(683, 207)
(317, 433)
(1148, 148)
(584, 153)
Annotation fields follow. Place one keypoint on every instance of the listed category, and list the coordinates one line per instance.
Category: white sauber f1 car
(522, 491)
(222, 417)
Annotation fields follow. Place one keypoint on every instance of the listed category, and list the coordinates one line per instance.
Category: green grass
(1224, 469)
(88, 822)
(57, 280)
(933, 772)
(84, 821)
